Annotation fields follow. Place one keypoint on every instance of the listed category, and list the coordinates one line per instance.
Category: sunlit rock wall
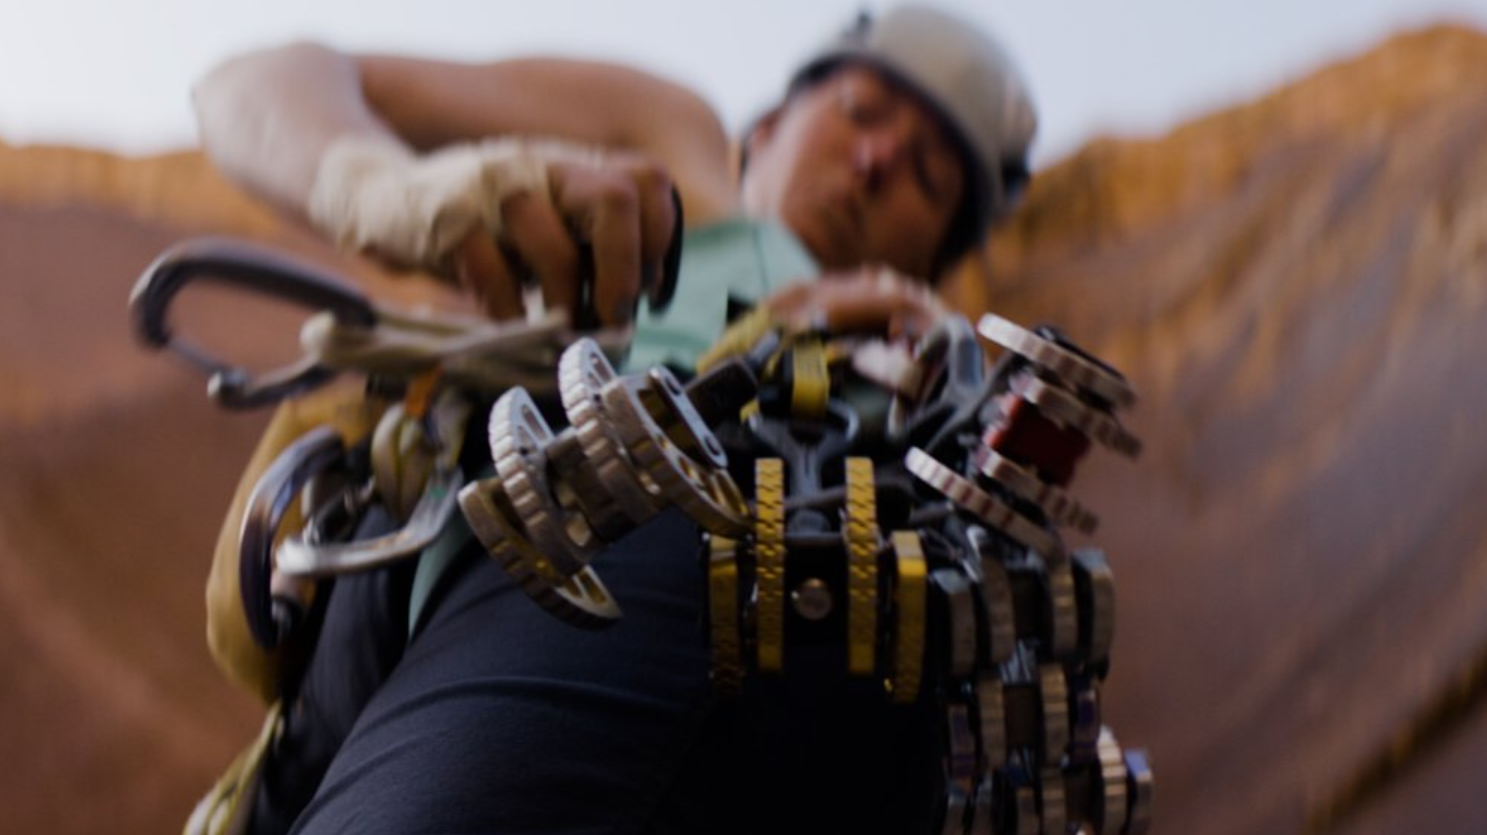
(1297, 286)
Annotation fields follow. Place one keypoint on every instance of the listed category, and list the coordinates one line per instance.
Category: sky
(118, 75)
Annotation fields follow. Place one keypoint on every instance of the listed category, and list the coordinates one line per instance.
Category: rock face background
(1297, 287)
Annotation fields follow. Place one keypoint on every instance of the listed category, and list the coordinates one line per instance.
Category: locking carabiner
(253, 268)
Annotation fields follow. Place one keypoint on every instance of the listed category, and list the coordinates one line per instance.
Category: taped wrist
(373, 194)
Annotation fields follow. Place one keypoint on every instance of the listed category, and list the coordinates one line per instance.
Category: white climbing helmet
(968, 77)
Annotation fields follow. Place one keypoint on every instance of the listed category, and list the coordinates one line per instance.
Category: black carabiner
(317, 451)
(255, 268)
(963, 388)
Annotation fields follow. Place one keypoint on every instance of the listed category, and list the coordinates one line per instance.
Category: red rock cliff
(1297, 286)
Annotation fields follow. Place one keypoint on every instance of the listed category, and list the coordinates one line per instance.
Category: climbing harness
(898, 503)
(931, 556)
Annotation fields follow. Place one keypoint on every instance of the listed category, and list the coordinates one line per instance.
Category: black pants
(500, 718)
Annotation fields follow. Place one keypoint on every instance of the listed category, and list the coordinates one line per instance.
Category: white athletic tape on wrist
(372, 194)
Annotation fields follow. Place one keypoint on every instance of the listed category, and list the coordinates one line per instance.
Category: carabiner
(254, 268)
(317, 451)
(297, 557)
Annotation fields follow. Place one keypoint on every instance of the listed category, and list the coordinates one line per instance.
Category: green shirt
(737, 260)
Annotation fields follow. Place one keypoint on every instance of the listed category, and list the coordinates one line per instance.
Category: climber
(896, 146)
